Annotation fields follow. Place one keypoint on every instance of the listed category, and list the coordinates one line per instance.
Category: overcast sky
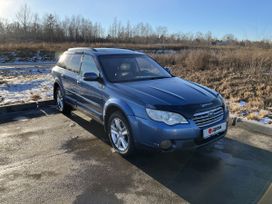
(246, 19)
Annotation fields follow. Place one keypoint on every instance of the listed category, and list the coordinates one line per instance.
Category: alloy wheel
(119, 134)
(60, 103)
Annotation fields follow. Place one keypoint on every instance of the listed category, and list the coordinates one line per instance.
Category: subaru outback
(139, 102)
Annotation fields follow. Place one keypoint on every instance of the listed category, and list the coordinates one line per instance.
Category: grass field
(240, 75)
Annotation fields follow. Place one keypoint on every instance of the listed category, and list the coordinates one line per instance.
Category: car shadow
(91, 126)
(227, 172)
(27, 114)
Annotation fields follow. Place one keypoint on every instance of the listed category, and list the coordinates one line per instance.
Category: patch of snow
(242, 103)
(18, 64)
(23, 85)
(265, 120)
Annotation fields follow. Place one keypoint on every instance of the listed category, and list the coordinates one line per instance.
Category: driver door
(91, 91)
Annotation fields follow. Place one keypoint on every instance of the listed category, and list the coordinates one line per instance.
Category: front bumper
(151, 134)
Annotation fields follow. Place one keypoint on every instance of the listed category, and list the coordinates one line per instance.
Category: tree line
(28, 26)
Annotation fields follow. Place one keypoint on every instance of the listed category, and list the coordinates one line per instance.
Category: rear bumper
(150, 134)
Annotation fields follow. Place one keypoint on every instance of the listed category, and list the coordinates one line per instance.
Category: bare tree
(229, 37)
(2, 29)
(49, 28)
(162, 32)
(24, 17)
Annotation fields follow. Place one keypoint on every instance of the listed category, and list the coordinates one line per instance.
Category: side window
(73, 62)
(62, 60)
(88, 65)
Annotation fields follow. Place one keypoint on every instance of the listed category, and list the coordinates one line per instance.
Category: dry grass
(35, 97)
(239, 74)
(237, 58)
(60, 47)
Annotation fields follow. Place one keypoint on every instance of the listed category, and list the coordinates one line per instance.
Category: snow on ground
(25, 83)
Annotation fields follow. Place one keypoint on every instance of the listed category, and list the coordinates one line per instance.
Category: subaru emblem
(211, 114)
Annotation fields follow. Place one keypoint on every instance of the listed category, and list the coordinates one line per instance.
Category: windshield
(124, 68)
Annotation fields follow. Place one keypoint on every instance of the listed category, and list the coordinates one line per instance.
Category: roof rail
(79, 48)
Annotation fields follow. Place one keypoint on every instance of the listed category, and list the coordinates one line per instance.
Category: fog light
(166, 144)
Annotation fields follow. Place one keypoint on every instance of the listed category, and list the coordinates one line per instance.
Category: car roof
(103, 51)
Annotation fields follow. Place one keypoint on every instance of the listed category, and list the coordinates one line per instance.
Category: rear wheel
(120, 134)
(61, 105)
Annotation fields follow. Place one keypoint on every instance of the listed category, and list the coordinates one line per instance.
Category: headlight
(223, 101)
(167, 117)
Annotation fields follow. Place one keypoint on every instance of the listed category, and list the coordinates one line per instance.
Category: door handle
(78, 82)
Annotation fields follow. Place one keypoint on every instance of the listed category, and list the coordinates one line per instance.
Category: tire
(60, 104)
(120, 135)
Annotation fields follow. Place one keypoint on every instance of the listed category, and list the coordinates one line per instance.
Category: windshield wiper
(141, 79)
(153, 78)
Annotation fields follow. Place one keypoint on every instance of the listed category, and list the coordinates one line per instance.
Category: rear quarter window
(70, 61)
(62, 61)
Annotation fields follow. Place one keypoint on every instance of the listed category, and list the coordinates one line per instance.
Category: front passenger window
(88, 65)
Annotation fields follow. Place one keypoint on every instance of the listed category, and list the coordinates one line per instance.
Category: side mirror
(168, 70)
(90, 76)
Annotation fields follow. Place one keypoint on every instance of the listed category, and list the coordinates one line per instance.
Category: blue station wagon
(140, 103)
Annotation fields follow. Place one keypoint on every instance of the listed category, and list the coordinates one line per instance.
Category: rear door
(91, 91)
(70, 76)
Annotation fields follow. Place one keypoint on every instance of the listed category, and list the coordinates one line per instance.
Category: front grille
(206, 118)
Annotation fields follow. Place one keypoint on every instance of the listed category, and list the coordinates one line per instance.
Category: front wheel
(120, 134)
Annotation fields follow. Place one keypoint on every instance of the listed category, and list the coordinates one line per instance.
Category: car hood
(172, 91)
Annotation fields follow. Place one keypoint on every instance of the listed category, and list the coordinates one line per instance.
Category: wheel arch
(56, 85)
(115, 105)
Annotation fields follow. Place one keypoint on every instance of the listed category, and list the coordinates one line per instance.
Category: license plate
(214, 130)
